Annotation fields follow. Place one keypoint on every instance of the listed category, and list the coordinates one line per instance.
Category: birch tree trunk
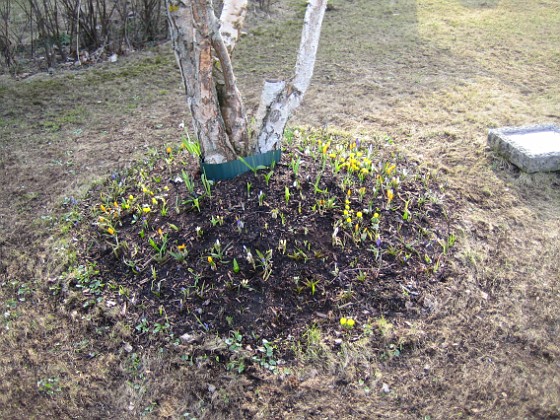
(203, 46)
(279, 99)
(190, 26)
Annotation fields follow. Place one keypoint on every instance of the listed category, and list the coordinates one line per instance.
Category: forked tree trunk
(203, 50)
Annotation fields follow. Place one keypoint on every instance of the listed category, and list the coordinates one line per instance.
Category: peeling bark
(231, 103)
(189, 28)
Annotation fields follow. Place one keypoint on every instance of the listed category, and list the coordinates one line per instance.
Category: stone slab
(534, 148)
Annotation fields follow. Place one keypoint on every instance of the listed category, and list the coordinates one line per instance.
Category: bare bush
(79, 30)
(83, 30)
(7, 46)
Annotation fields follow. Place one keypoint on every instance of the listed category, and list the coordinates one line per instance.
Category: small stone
(188, 338)
(127, 347)
(385, 388)
(211, 389)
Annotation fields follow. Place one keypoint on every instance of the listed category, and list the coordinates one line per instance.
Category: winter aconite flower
(181, 247)
(347, 323)
(110, 231)
(390, 195)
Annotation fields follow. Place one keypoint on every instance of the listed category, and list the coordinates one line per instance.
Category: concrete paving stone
(534, 148)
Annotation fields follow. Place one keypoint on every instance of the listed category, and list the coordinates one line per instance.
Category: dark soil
(205, 271)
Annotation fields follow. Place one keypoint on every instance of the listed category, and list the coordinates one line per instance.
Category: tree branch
(279, 102)
(232, 19)
(231, 105)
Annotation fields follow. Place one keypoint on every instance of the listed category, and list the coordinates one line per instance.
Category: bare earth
(434, 76)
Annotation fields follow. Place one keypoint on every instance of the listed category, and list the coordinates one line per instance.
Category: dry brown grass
(434, 75)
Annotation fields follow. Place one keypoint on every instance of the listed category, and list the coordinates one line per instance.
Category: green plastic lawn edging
(229, 170)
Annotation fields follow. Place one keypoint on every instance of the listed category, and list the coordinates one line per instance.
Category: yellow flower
(359, 215)
(181, 247)
(110, 231)
(376, 215)
(115, 204)
(168, 150)
(102, 207)
(349, 220)
(390, 195)
(349, 192)
(160, 232)
(346, 212)
(347, 322)
(154, 201)
(166, 188)
(131, 197)
(391, 169)
(146, 209)
(210, 260)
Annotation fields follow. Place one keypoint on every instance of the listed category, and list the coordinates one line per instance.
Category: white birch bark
(217, 109)
(231, 103)
(189, 28)
(278, 103)
(232, 19)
